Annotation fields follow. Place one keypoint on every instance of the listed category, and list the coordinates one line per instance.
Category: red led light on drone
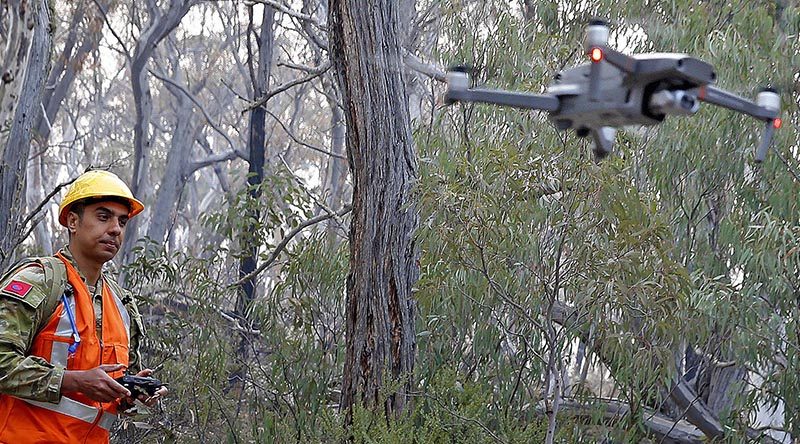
(596, 54)
(777, 123)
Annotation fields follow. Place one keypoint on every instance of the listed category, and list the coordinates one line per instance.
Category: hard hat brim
(136, 206)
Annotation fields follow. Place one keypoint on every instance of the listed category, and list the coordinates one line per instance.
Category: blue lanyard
(75, 336)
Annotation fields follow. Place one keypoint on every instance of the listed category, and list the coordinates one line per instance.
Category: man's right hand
(95, 383)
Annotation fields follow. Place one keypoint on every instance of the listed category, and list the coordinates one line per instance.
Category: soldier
(67, 330)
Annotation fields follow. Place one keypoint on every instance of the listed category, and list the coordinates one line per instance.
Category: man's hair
(79, 206)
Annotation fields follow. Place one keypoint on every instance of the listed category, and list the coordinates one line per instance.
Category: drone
(615, 90)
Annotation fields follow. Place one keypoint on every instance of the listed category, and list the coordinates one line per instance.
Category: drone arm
(498, 97)
(766, 107)
(621, 61)
(596, 46)
(720, 97)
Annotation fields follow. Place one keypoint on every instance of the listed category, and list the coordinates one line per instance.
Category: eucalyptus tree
(26, 39)
(260, 43)
(158, 25)
(381, 343)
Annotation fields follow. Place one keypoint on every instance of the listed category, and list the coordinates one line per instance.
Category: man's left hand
(149, 401)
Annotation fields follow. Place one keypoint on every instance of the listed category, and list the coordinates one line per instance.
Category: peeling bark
(366, 54)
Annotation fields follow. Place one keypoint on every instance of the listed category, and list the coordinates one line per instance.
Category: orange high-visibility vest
(76, 418)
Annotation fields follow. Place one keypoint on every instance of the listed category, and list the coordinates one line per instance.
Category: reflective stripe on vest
(126, 319)
(64, 328)
(77, 410)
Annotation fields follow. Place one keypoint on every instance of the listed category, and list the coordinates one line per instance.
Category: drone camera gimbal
(615, 90)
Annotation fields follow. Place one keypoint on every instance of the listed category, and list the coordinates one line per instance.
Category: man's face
(98, 234)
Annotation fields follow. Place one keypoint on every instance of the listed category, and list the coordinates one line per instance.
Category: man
(67, 330)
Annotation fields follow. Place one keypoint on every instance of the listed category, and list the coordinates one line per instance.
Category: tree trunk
(160, 26)
(256, 147)
(69, 63)
(174, 178)
(366, 53)
(336, 172)
(36, 192)
(24, 69)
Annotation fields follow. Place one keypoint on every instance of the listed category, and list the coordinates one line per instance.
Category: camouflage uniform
(32, 377)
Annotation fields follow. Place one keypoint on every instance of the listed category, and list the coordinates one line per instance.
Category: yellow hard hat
(97, 183)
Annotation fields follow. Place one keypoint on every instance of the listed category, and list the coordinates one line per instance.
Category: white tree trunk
(22, 74)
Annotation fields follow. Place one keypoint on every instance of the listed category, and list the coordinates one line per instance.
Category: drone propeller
(596, 40)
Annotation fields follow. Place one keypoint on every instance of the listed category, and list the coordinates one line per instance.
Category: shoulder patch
(18, 288)
(26, 284)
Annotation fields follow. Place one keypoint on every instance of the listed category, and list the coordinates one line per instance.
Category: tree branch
(202, 110)
(305, 68)
(429, 69)
(211, 160)
(292, 136)
(316, 200)
(313, 75)
(291, 12)
(113, 32)
(44, 201)
(282, 245)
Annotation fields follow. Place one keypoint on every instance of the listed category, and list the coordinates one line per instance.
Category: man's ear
(72, 221)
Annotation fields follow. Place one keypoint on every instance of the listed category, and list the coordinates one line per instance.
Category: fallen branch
(667, 429)
(695, 410)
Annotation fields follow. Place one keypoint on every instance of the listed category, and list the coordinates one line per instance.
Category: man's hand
(95, 383)
(149, 401)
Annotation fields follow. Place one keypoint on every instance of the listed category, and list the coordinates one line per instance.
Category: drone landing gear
(603, 141)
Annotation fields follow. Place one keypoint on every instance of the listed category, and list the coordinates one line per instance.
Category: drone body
(623, 101)
(615, 90)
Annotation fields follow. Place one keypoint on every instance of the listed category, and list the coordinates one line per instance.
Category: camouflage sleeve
(136, 336)
(21, 375)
